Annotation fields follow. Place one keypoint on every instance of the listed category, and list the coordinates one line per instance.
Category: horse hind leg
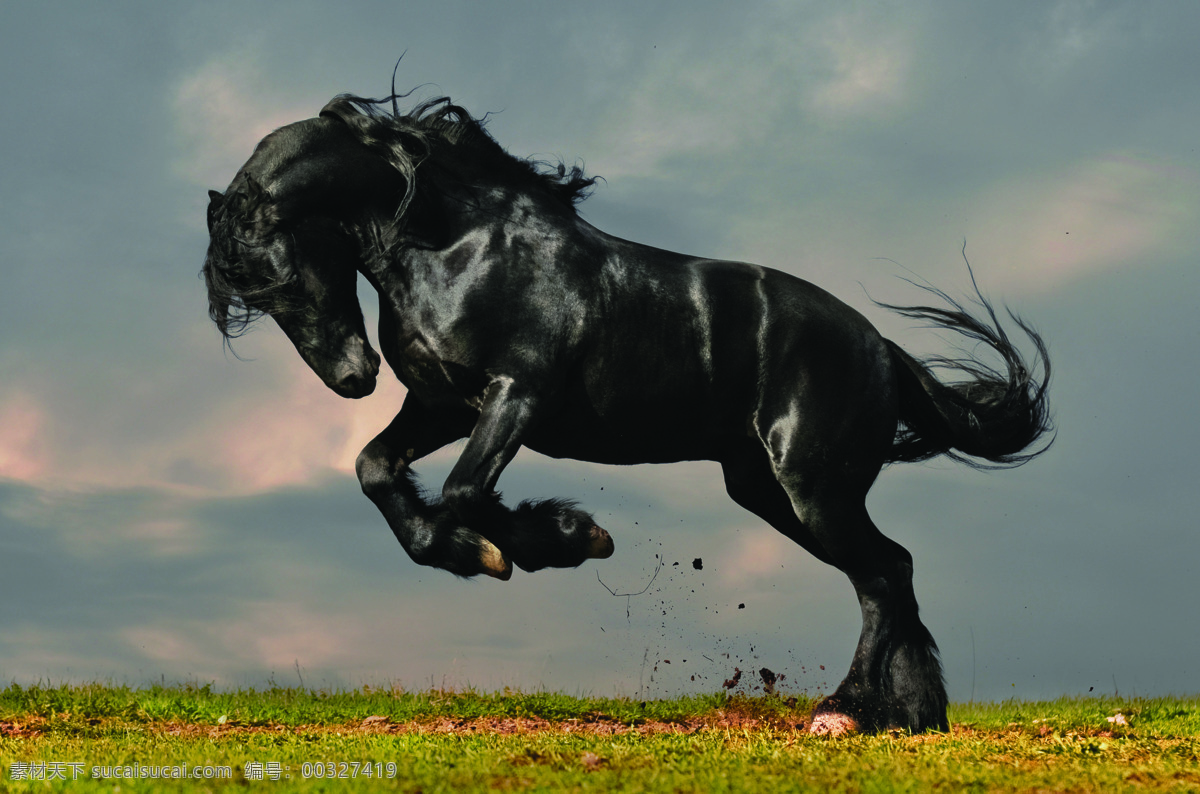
(895, 678)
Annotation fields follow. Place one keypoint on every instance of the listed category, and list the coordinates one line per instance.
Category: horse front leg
(430, 533)
(542, 534)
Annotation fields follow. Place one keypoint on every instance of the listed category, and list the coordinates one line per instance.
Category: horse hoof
(494, 563)
(832, 724)
(600, 544)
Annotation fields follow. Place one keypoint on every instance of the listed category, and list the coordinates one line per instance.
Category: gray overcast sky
(169, 511)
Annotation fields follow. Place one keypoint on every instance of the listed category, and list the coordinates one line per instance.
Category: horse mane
(444, 135)
(233, 223)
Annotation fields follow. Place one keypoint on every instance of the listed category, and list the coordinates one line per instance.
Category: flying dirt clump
(768, 678)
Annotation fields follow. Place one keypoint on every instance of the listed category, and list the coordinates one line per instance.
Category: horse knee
(374, 468)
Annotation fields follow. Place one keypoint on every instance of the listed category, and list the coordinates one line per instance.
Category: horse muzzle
(354, 385)
(356, 377)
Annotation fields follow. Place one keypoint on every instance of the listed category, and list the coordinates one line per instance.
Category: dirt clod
(768, 678)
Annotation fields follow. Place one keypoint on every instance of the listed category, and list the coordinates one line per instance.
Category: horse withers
(513, 322)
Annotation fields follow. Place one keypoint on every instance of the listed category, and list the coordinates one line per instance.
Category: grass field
(96, 737)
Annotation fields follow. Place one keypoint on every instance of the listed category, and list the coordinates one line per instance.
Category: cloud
(687, 104)
(290, 434)
(788, 65)
(756, 554)
(80, 524)
(221, 112)
(24, 455)
(1029, 233)
(219, 426)
(268, 635)
(1071, 32)
(1117, 210)
(870, 67)
(285, 430)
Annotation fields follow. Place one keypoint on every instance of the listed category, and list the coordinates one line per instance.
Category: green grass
(201, 704)
(472, 741)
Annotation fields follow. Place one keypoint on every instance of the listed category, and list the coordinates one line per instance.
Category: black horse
(514, 322)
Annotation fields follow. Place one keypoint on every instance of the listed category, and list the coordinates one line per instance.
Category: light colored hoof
(494, 563)
(600, 544)
(832, 724)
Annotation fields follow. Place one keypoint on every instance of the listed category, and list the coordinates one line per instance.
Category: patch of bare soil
(591, 725)
(19, 730)
(597, 725)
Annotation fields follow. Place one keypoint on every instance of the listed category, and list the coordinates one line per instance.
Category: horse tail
(995, 417)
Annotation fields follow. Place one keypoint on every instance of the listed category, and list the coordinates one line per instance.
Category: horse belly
(645, 415)
(624, 443)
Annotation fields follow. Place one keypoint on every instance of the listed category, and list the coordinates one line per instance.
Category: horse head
(287, 240)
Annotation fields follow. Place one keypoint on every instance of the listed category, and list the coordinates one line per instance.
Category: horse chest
(432, 377)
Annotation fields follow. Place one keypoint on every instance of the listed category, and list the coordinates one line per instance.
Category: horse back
(683, 356)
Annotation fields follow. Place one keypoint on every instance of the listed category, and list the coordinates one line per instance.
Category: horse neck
(439, 222)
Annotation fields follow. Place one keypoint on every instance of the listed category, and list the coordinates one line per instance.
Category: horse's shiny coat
(513, 322)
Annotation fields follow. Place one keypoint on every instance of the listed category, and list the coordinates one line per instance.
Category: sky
(169, 512)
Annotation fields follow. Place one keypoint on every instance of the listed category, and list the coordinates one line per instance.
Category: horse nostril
(355, 384)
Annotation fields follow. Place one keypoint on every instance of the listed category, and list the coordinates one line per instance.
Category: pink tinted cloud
(24, 450)
(1115, 211)
(756, 554)
(269, 635)
(274, 634)
(279, 427)
(303, 431)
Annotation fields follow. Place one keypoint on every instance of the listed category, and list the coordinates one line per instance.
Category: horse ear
(215, 202)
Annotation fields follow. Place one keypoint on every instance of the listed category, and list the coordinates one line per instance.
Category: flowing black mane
(455, 142)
